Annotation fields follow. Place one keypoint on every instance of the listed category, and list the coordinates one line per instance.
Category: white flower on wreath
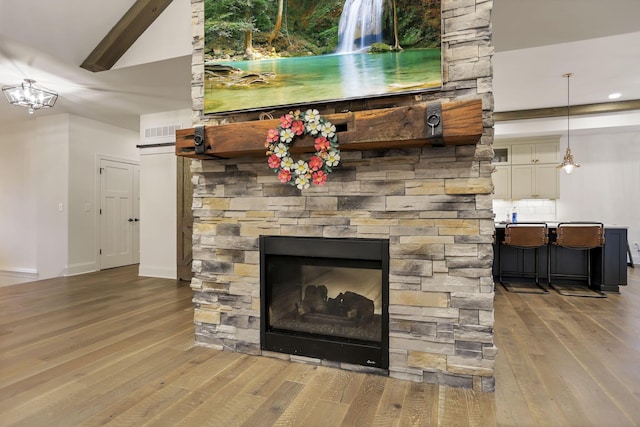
(333, 158)
(314, 128)
(286, 135)
(301, 167)
(328, 130)
(280, 150)
(302, 182)
(287, 163)
(312, 115)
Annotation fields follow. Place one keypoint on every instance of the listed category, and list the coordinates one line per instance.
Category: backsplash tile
(527, 209)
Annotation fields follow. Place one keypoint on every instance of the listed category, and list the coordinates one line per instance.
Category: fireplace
(431, 203)
(326, 298)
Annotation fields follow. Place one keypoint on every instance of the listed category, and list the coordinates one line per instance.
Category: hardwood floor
(113, 348)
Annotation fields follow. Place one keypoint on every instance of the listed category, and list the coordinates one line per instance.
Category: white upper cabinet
(526, 168)
(502, 182)
(534, 153)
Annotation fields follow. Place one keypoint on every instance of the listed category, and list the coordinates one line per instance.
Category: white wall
(606, 187)
(51, 160)
(18, 256)
(158, 186)
(607, 184)
(158, 213)
(48, 194)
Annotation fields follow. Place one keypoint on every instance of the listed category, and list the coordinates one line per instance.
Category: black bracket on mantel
(433, 121)
(199, 139)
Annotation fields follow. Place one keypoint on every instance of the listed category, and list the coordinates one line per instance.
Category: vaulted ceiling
(48, 41)
(536, 42)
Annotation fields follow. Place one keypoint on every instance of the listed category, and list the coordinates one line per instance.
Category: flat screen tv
(262, 54)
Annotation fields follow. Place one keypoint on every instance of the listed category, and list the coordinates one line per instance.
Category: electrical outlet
(636, 246)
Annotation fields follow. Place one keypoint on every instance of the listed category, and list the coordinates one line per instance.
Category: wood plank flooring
(117, 349)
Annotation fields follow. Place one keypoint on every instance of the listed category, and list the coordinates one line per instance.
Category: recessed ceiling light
(615, 95)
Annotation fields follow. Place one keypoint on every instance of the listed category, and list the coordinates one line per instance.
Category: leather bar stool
(526, 235)
(583, 236)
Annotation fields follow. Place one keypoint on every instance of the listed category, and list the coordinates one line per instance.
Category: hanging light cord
(567, 163)
(568, 76)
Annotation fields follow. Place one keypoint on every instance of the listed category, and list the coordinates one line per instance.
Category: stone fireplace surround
(433, 204)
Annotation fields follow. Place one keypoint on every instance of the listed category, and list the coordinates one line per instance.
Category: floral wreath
(303, 173)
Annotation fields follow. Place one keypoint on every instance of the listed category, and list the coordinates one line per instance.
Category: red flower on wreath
(315, 163)
(286, 121)
(272, 136)
(298, 127)
(284, 175)
(319, 178)
(322, 143)
(274, 161)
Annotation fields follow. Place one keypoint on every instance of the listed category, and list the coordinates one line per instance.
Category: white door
(118, 223)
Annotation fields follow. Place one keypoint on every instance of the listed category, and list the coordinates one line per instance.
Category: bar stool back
(526, 235)
(582, 236)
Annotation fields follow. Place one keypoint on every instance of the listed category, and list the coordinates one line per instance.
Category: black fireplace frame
(359, 352)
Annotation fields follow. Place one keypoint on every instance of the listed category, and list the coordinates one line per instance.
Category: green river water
(304, 80)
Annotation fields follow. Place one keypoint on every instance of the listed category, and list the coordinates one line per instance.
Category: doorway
(119, 213)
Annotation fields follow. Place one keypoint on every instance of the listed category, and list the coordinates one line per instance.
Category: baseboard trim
(76, 269)
(26, 273)
(15, 276)
(159, 272)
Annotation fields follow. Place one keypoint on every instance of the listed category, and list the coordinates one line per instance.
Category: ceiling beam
(574, 110)
(124, 34)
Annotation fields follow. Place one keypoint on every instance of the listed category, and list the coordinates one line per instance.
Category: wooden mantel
(460, 123)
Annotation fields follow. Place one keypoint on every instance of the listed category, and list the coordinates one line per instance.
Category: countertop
(554, 224)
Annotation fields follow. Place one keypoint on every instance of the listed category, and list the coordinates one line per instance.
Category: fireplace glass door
(326, 298)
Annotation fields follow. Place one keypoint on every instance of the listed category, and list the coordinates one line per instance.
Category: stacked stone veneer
(433, 204)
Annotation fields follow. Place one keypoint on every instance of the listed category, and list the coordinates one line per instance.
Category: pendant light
(567, 163)
(28, 95)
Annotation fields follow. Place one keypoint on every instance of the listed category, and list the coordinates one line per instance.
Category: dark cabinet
(615, 260)
(608, 264)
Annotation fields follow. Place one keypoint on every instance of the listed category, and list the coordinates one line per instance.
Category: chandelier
(26, 94)
(568, 164)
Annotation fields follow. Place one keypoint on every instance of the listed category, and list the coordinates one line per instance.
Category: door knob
(130, 220)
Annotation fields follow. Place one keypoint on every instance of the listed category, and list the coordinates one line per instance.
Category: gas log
(352, 306)
(346, 306)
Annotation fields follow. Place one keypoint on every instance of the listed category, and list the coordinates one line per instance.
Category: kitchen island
(608, 263)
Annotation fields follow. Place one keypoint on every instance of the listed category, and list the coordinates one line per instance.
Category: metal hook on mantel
(434, 124)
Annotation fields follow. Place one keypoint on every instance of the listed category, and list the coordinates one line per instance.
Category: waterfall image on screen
(360, 25)
(276, 53)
